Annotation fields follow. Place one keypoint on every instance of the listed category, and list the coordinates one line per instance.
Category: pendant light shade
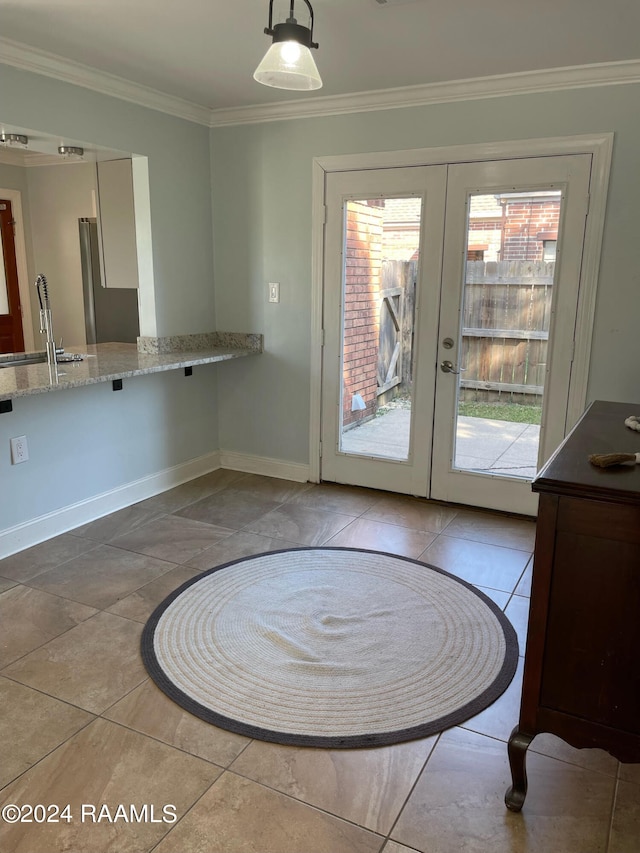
(288, 64)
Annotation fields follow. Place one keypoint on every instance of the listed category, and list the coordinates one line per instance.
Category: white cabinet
(117, 223)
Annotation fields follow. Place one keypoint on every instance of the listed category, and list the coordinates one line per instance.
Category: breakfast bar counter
(117, 361)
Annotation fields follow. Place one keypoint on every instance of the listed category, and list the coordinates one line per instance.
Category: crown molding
(497, 86)
(38, 61)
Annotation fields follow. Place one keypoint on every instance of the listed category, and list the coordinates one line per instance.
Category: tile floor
(81, 723)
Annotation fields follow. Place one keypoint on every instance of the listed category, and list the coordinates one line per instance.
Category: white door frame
(600, 146)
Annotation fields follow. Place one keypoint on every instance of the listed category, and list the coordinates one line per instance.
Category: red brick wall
(523, 223)
(363, 265)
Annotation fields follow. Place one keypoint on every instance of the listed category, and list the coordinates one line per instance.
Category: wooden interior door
(11, 334)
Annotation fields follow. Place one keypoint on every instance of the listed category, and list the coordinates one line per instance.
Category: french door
(450, 299)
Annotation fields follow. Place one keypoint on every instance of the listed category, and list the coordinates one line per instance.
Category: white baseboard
(295, 471)
(44, 527)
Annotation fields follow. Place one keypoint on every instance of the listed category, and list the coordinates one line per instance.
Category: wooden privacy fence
(505, 330)
(395, 342)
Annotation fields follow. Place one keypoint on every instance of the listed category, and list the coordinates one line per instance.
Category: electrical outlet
(274, 291)
(19, 450)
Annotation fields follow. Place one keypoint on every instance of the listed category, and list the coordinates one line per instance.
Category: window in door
(505, 332)
(381, 254)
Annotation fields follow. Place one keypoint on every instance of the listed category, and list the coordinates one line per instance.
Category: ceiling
(205, 51)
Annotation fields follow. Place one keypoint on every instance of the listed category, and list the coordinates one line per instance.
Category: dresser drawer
(606, 519)
(590, 666)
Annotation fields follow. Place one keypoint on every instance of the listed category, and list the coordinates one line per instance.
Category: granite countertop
(105, 362)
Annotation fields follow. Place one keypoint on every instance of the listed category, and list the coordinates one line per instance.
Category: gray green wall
(89, 441)
(261, 179)
(257, 179)
(180, 187)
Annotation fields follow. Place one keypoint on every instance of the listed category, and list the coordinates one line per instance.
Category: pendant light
(288, 64)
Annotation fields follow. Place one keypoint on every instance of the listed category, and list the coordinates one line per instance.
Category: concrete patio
(498, 447)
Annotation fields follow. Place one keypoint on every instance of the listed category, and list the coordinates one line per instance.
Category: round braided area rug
(333, 647)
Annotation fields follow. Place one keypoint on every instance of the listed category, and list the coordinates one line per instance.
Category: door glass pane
(381, 249)
(4, 296)
(508, 286)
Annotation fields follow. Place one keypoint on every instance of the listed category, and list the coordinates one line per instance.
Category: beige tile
(6, 584)
(32, 561)
(101, 577)
(501, 717)
(378, 536)
(494, 529)
(393, 847)
(190, 492)
(334, 801)
(332, 497)
(147, 710)
(111, 765)
(333, 779)
(524, 584)
(29, 618)
(239, 816)
(31, 725)
(412, 512)
(629, 772)
(517, 613)
(92, 665)
(501, 598)
(117, 523)
(236, 547)
(141, 603)
(272, 488)
(480, 564)
(172, 538)
(229, 509)
(625, 828)
(590, 759)
(300, 524)
(458, 803)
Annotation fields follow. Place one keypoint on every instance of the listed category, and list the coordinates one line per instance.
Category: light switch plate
(274, 291)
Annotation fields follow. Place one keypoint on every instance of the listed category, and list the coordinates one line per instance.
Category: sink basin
(21, 359)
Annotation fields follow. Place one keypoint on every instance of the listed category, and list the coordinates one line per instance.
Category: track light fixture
(71, 152)
(14, 139)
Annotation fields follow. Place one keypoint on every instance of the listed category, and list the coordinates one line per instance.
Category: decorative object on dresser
(581, 674)
(606, 460)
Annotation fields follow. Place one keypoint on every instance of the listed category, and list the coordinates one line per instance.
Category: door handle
(449, 367)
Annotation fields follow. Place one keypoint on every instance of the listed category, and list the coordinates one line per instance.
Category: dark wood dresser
(582, 660)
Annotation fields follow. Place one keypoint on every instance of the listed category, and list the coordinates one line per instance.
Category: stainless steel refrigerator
(110, 314)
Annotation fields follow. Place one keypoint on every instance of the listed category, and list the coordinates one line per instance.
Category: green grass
(502, 412)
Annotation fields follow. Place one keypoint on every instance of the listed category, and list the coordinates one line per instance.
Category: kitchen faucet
(46, 325)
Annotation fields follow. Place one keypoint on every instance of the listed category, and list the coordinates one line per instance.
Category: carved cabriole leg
(518, 744)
